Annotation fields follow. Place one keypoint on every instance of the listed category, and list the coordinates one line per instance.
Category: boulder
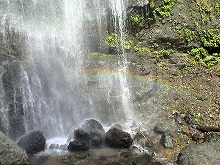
(11, 153)
(90, 132)
(197, 154)
(33, 142)
(117, 138)
(82, 135)
(118, 126)
(96, 139)
(77, 145)
(93, 125)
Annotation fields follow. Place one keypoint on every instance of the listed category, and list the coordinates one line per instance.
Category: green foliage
(164, 52)
(210, 38)
(165, 10)
(137, 21)
(152, 5)
(142, 50)
(128, 44)
(138, 104)
(188, 34)
(198, 118)
(112, 40)
(202, 57)
(216, 54)
(199, 53)
(206, 33)
(216, 9)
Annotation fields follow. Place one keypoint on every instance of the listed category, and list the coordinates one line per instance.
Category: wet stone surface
(101, 156)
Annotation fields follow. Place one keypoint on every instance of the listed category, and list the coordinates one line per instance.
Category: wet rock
(117, 138)
(63, 147)
(90, 132)
(166, 140)
(143, 159)
(57, 147)
(40, 159)
(11, 153)
(77, 145)
(75, 158)
(205, 153)
(96, 139)
(93, 125)
(82, 135)
(118, 126)
(54, 146)
(33, 142)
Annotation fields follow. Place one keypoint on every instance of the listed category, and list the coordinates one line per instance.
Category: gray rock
(63, 147)
(118, 126)
(166, 140)
(96, 139)
(143, 159)
(54, 146)
(189, 119)
(33, 142)
(93, 125)
(77, 145)
(205, 153)
(165, 125)
(11, 153)
(212, 137)
(117, 138)
(82, 135)
(90, 132)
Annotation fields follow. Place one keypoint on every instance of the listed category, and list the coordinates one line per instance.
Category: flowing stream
(52, 88)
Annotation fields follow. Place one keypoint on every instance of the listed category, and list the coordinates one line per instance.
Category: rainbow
(109, 73)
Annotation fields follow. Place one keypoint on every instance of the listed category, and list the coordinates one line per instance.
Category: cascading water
(119, 11)
(52, 86)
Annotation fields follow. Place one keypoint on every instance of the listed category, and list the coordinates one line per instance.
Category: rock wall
(11, 153)
(12, 49)
(14, 100)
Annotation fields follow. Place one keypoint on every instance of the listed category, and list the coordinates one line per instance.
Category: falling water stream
(53, 85)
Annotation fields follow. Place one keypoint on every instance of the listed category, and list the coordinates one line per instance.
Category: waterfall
(54, 90)
(119, 11)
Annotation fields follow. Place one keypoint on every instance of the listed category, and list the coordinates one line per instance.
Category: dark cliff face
(13, 99)
(12, 49)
